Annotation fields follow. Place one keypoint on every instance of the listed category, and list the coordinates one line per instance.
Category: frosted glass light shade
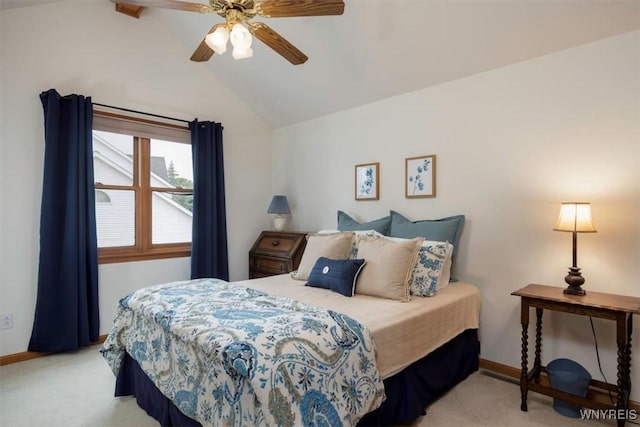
(218, 40)
(575, 216)
(242, 53)
(240, 37)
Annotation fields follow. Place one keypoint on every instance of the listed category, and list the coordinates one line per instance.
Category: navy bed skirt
(408, 392)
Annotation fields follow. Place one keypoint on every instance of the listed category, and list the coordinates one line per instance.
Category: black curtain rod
(142, 112)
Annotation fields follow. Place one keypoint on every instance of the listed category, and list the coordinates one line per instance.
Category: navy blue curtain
(209, 256)
(66, 316)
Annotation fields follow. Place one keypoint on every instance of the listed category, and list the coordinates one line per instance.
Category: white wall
(85, 47)
(511, 144)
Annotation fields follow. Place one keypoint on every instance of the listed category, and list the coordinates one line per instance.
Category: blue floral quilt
(233, 356)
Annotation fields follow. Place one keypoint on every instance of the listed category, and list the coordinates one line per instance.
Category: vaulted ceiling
(382, 48)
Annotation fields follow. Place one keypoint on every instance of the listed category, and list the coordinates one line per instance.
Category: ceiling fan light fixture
(242, 53)
(238, 26)
(217, 40)
(240, 37)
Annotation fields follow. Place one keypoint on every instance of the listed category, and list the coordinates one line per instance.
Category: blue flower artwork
(367, 184)
(420, 176)
(367, 181)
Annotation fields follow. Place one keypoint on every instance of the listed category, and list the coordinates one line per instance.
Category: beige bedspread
(403, 331)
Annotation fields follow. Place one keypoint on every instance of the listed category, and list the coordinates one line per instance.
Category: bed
(382, 363)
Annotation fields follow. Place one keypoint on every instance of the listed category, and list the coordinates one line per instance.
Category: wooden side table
(276, 252)
(595, 304)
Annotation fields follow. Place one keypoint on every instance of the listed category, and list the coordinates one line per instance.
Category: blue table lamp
(279, 207)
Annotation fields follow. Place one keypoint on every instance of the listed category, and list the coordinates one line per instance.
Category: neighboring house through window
(144, 188)
(102, 197)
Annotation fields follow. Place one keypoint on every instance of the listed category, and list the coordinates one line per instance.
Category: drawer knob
(275, 243)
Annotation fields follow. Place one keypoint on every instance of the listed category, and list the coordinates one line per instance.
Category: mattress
(403, 332)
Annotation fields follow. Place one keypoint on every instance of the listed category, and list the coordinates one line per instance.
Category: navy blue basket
(570, 377)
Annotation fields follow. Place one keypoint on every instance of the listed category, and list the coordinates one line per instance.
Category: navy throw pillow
(338, 275)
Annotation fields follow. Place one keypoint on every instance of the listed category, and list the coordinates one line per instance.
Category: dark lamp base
(574, 279)
(574, 290)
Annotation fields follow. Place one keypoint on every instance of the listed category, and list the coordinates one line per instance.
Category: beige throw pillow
(389, 267)
(333, 246)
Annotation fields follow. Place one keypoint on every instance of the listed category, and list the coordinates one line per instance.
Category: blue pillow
(338, 275)
(442, 230)
(346, 223)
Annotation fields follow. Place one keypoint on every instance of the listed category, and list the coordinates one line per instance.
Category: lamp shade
(575, 216)
(279, 205)
(242, 53)
(217, 40)
(240, 37)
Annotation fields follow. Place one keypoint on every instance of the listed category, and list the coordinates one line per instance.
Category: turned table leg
(524, 380)
(537, 363)
(623, 339)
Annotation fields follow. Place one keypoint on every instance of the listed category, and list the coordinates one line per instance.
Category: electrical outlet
(6, 321)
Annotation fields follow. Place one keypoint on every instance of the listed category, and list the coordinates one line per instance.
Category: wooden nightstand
(276, 252)
(618, 308)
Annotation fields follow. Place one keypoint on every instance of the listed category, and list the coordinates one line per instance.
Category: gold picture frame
(367, 181)
(420, 177)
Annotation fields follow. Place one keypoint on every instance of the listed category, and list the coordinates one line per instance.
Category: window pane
(171, 217)
(115, 219)
(171, 164)
(113, 158)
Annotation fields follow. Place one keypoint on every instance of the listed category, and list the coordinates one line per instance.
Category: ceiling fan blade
(285, 8)
(168, 4)
(130, 10)
(278, 43)
(203, 52)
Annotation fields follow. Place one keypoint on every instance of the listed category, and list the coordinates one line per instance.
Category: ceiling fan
(237, 28)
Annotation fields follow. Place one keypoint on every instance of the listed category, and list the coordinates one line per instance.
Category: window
(144, 188)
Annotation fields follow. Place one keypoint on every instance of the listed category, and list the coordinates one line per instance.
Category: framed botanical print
(368, 181)
(420, 176)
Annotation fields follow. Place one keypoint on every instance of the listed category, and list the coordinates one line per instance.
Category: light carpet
(76, 389)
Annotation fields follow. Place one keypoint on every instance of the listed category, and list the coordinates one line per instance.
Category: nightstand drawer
(277, 244)
(271, 265)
